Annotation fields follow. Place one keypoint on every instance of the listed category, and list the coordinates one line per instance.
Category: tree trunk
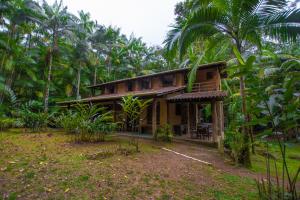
(78, 82)
(245, 159)
(245, 155)
(47, 88)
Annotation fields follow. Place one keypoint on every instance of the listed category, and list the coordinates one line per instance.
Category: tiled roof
(198, 96)
(216, 64)
(143, 93)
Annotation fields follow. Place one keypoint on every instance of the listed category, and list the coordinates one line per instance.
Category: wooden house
(172, 104)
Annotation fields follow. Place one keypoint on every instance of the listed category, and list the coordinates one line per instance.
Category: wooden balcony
(205, 86)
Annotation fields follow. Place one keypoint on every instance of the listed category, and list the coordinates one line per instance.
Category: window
(178, 109)
(111, 89)
(129, 86)
(209, 75)
(167, 80)
(145, 83)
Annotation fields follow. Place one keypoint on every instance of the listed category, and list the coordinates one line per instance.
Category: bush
(87, 124)
(32, 116)
(6, 123)
(235, 142)
(69, 122)
(164, 133)
(35, 121)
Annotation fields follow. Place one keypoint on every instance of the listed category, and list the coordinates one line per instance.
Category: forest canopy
(50, 54)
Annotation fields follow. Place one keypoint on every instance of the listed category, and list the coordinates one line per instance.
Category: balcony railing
(205, 86)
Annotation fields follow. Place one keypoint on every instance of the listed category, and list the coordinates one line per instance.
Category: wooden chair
(203, 132)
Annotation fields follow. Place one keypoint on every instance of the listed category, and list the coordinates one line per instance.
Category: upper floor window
(129, 86)
(145, 83)
(111, 89)
(167, 80)
(209, 75)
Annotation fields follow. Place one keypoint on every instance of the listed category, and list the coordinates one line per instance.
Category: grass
(292, 158)
(50, 166)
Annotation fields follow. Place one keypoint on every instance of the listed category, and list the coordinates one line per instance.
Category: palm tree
(57, 22)
(84, 30)
(98, 41)
(243, 22)
(15, 19)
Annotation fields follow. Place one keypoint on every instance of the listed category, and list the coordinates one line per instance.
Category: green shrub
(164, 133)
(87, 124)
(35, 121)
(235, 142)
(32, 116)
(69, 122)
(6, 123)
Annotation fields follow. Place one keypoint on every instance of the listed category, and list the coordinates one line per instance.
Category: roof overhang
(198, 96)
(221, 65)
(142, 94)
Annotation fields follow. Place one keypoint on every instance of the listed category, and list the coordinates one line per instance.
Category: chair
(203, 132)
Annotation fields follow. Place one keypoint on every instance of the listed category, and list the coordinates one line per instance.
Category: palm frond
(283, 25)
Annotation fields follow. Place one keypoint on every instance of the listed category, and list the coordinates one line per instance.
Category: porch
(202, 117)
(194, 117)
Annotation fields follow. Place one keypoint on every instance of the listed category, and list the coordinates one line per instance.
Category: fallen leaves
(48, 189)
(3, 169)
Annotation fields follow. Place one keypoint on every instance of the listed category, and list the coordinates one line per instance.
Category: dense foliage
(87, 123)
(48, 54)
(243, 29)
(260, 41)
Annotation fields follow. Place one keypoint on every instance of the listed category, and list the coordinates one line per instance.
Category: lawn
(50, 166)
(292, 158)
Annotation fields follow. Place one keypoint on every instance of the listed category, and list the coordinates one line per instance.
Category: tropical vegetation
(48, 55)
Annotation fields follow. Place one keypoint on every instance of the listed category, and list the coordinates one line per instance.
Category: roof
(195, 96)
(216, 64)
(143, 93)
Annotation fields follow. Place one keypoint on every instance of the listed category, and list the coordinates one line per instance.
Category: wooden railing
(205, 86)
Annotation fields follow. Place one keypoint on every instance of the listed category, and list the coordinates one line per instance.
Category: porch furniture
(203, 131)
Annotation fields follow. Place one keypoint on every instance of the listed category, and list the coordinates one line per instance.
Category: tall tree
(56, 23)
(84, 30)
(243, 22)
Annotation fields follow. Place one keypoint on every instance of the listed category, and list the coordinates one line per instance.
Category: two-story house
(171, 103)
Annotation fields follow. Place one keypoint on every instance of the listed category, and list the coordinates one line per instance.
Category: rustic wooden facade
(171, 104)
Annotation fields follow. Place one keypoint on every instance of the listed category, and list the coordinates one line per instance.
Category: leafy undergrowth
(292, 158)
(50, 166)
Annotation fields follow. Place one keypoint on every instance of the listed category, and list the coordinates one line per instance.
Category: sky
(149, 19)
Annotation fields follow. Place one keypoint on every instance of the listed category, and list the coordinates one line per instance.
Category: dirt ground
(51, 166)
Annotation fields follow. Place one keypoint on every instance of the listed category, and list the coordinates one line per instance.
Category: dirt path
(212, 155)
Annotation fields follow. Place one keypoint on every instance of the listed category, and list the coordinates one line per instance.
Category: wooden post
(214, 121)
(218, 123)
(154, 110)
(197, 114)
(168, 114)
(114, 111)
(221, 116)
(188, 120)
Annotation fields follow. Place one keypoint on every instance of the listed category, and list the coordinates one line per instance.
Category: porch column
(154, 120)
(221, 119)
(114, 112)
(188, 120)
(218, 123)
(168, 114)
(197, 114)
(214, 121)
